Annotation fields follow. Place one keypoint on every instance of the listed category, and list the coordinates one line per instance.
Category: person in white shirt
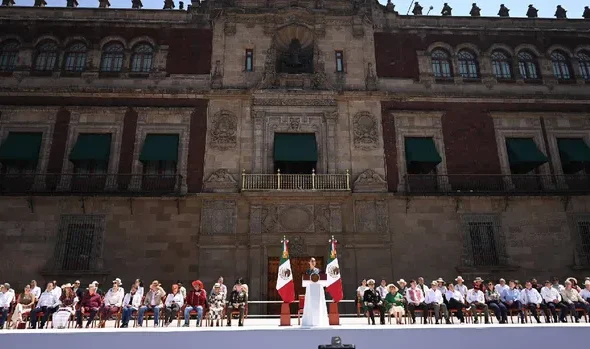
(56, 290)
(415, 299)
(585, 293)
(172, 305)
(139, 285)
(434, 300)
(456, 301)
(382, 289)
(47, 304)
(182, 289)
(476, 300)
(131, 304)
(552, 301)
(441, 286)
(556, 285)
(6, 299)
(360, 292)
(572, 299)
(460, 287)
(35, 290)
(111, 303)
(422, 286)
(531, 299)
(501, 286)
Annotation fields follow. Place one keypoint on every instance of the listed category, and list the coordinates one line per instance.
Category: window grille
(527, 66)
(8, 56)
(441, 64)
(561, 66)
(76, 58)
(483, 242)
(467, 65)
(141, 61)
(79, 243)
(584, 242)
(46, 57)
(501, 65)
(112, 58)
(584, 61)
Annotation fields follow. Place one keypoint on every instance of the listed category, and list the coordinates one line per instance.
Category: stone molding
(369, 181)
(295, 218)
(221, 181)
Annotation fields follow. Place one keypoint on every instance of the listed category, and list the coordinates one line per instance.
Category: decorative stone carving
(365, 131)
(218, 217)
(371, 80)
(297, 247)
(370, 182)
(371, 216)
(230, 28)
(223, 134)
(294, 124)
(295, 218)
(221, 181)
(328, 218)
(272, 102)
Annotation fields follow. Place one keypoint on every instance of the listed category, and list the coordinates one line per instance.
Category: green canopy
(421, 150)
(158, 147)
(295, 147)
(91, 146)
(573, 150)
(21, 146)
(524, 152)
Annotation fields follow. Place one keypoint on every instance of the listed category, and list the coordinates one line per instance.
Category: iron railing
(90, 184)
(475, 184)
(303, 182)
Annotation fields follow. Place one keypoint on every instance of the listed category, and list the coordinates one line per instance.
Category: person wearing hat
(91, 304)
(153, 301)
(459, 286)
(476, 300)
(66, 309)
(441, 286)
(434, 300)
(130, 305)
(98, 289)
(551, 302)
(196, 300)
(172, 305)
(238, 300)
(216, 304)
(112, 302)
(573, 300)
(372, 301)
(222, 287)
(394, 303)
(478, 284)
(6, 299)
(415, 299)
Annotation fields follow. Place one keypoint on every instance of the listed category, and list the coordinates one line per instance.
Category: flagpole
(333, 312)
(285, 319)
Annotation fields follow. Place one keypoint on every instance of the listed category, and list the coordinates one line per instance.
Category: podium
(315, 313)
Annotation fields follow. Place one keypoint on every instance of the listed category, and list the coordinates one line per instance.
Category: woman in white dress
(24, 305)
(66, 308)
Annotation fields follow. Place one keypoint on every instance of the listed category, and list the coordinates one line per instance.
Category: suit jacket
(159, 294)
(371, 296)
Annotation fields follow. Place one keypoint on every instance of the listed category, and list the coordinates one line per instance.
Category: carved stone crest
(365, 131)
(297, 247)
(370, 182)
(221, 181)
(294, 124)
(223, 134)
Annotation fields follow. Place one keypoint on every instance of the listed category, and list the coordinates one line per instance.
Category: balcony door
(295, 153)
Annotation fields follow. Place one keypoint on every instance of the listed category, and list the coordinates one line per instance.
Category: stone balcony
(295, 182)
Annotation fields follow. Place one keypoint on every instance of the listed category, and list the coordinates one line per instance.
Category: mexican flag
(285, 284)
(334, 282)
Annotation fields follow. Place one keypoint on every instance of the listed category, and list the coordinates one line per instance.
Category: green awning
(21, 146)
(421, 151)
(159, 147)
(92, 147)
(573, 150)
(523, 153)
(295, 147)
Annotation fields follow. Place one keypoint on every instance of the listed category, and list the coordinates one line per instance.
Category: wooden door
(299, 266)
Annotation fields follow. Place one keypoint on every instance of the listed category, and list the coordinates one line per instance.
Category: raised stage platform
(266, 334)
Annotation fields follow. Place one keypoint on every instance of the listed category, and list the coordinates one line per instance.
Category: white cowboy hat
(402, 281)
(459, 278)
(117, 281)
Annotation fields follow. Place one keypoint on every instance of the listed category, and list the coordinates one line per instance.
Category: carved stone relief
(369, 182)
(371, 216)
(218, 217)
(365, 131)
(221, 181)
(223, 134)
(297, 247)
(296, 218)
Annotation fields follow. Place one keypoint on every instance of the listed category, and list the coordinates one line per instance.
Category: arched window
(468, 68)
(75, 61)
(561, 65)
(112, 58)
(441, 64)
(143, 56)
(8, 55)
(584, 61)
(501, 65)
(46, 56)
(527, 66)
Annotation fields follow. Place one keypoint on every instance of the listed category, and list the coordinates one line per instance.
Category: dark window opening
(483, 244)
(295, 167)
(339, 61)
(296, 60)
(249, 60)
(584, 242)
(79, 246)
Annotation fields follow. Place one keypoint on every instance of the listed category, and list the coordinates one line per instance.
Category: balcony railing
(497, 184)
(296, 182)
(90, 184)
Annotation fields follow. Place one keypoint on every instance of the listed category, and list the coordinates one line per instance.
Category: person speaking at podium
(373, 301)
(312, 268)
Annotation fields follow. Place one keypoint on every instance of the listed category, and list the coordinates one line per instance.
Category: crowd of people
(72, 302)
(551, 299)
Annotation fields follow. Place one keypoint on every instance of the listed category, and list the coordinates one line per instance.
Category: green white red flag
(333, 281)
(285, 285)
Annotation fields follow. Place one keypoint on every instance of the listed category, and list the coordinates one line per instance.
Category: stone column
(258, 139)
(330, 120)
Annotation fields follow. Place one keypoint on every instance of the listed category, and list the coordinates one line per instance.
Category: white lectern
(315, 313)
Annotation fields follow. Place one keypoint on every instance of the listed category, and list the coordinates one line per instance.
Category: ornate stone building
(173, 145)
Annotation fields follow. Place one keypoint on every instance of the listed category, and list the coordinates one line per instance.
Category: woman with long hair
(66, 308)
(24, 305)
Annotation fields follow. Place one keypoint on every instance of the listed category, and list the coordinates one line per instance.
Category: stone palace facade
(176, 145)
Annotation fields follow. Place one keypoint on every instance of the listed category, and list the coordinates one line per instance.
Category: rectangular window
(584, 242)
(483, 244)
(160, 167)
(90, 167)
(339, 61)
(79, 243)
(249, 60)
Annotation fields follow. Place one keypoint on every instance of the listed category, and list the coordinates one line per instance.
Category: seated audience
(24, 305)
(130, 304)
(196, 300)
(90, 303)
(372, 301)
(456, 301)
(434, 300)
(6, 299)
(47, 305)
(415, 299)
(531, 299)
(585, 293)
(394, 303)
(112, 302)
(572, 300)
(237, 301)
(552, 301)
(66, 308)
(172, 305)
(216, 304)
(153, 301)
(511, 298)
(492, 298)
(476, 301)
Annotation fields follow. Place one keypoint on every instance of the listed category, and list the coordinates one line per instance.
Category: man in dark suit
(372, 301)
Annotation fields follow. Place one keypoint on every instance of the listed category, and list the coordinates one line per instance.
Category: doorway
(299, 266)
